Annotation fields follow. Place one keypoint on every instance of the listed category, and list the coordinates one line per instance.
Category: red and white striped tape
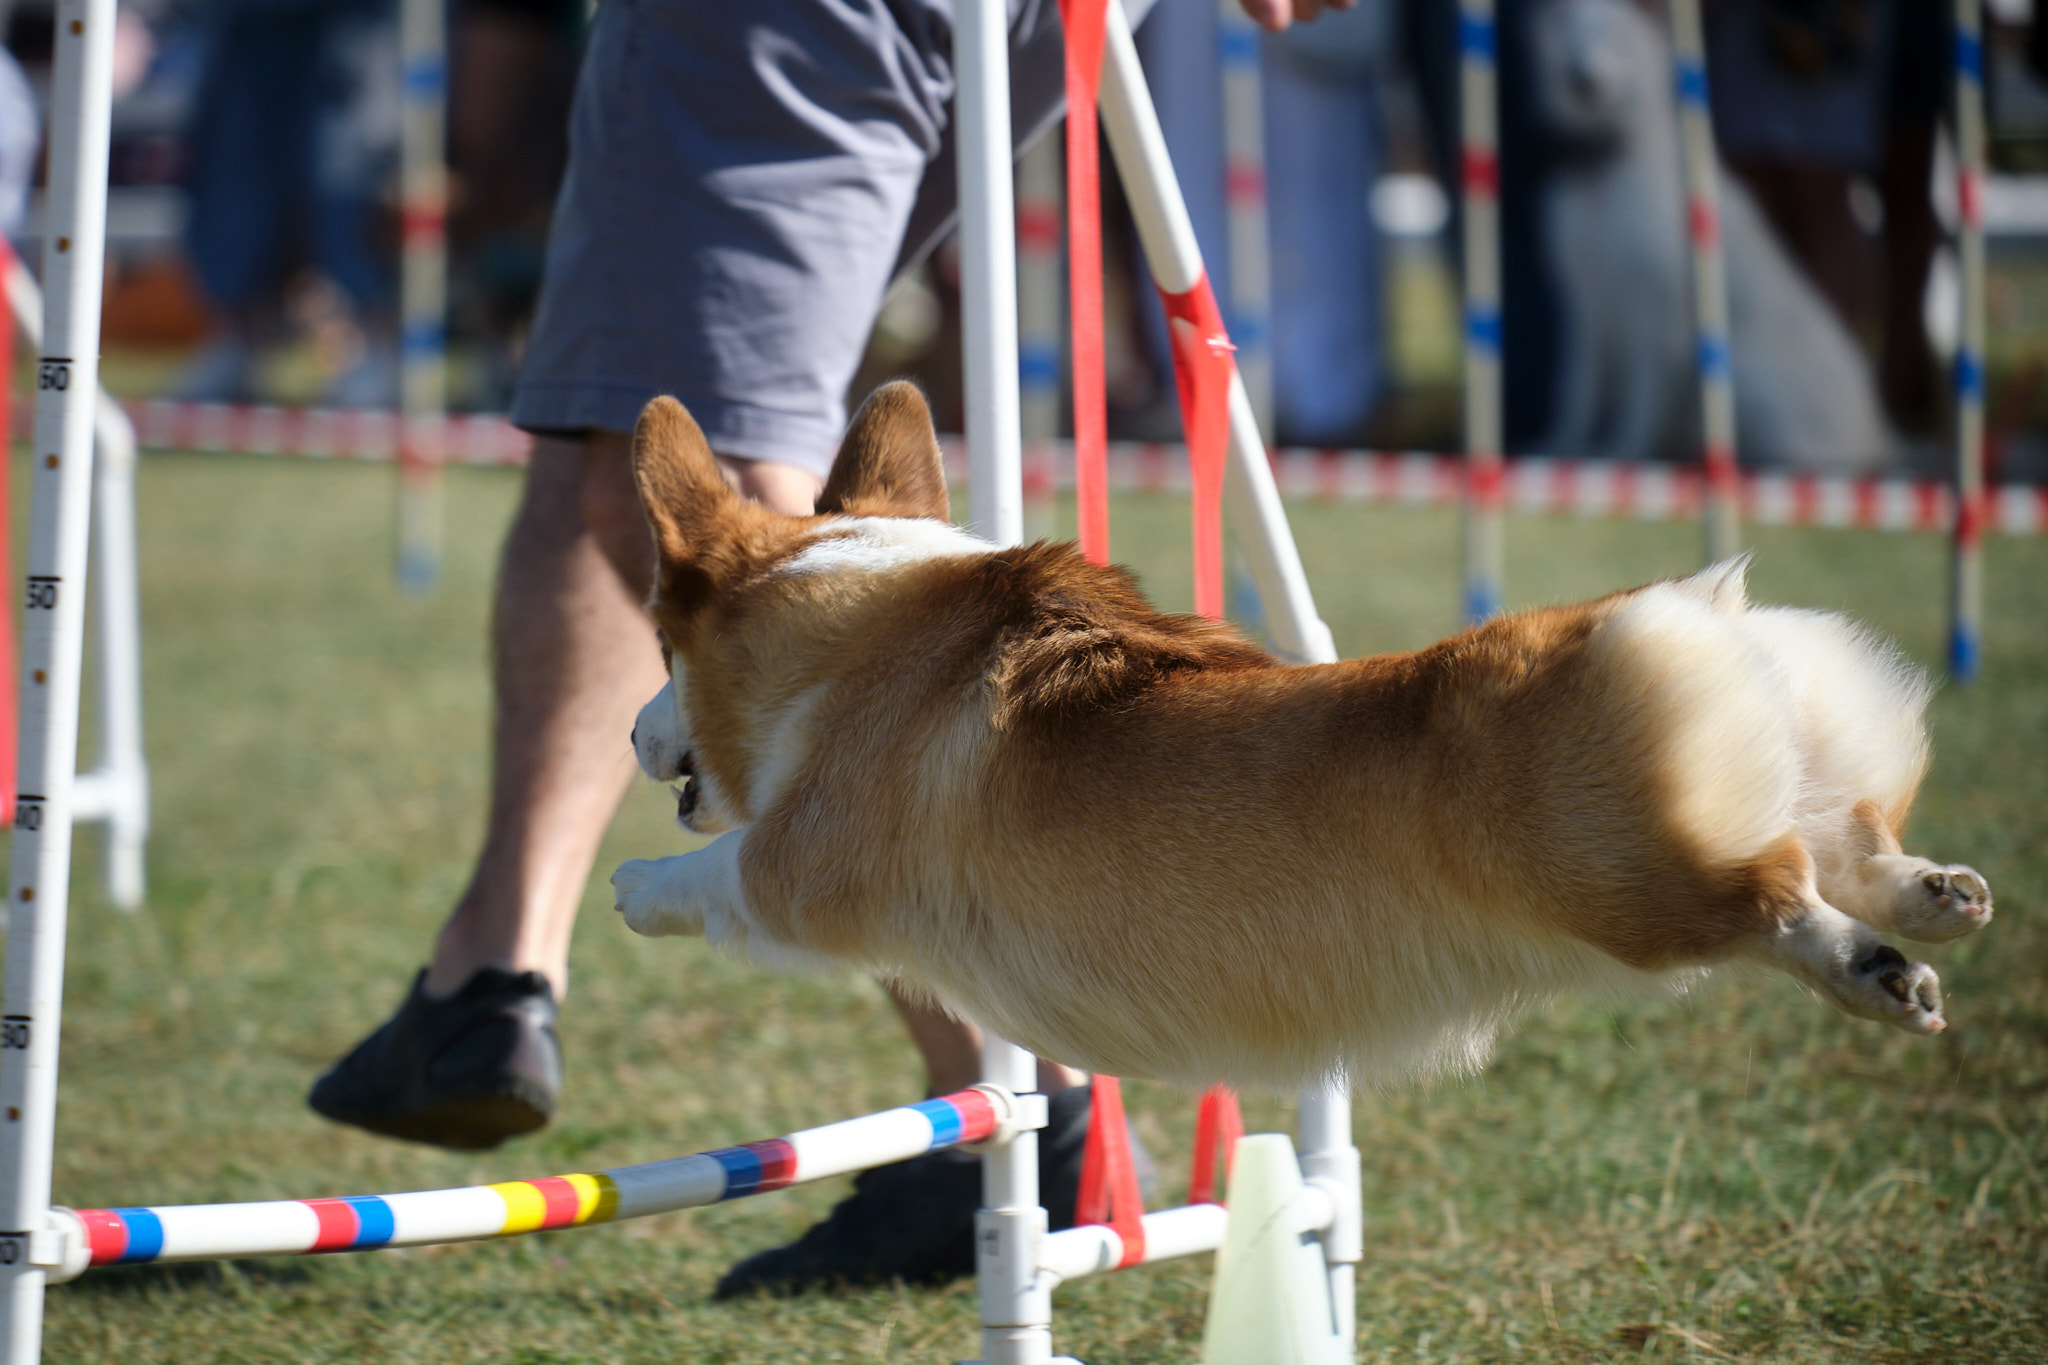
(1582, 488)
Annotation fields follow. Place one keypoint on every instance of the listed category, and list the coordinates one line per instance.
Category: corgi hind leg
(1875, 880)
(1853, 969)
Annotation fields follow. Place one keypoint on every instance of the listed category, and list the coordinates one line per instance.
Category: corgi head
(725, 566)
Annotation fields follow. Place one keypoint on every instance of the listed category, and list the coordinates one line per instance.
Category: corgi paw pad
(1904, 994)
(1945, 903)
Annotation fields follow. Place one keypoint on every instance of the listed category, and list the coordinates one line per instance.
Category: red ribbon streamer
(1218, 1122)
(1202, 369)
(1109, 1177)
(1085, 22)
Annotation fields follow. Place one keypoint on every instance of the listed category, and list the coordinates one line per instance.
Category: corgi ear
(889, 464)
(682, 490)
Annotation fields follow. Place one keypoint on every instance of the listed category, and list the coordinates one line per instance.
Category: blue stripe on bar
(1970, 55)
(426, 78)
(945, 1121)
(1482, 603)
(374, 1221)
(1963, 654)
(1712, 355)
(1692, 83)
(742, 1171)
(145, 1235)
(423, 338)
(1482, 328)
(1248, 334)
(1475, 36)
(1969, 377)
(1038, 364)
(1239, 44)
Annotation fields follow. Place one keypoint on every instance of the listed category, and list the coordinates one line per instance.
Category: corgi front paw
(641, 894)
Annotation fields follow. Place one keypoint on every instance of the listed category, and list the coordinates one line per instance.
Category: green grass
(1744, 1174)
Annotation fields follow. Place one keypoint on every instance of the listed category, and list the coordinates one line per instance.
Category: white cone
(1271, 1301)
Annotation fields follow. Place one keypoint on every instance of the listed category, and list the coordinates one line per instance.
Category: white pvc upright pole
(988, 271)
(67, 391)
(1131, 125)
(1016, 1302)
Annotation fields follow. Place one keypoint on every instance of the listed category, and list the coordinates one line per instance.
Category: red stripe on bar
(1969, 521)
(1481, 170)
(1244, 180)
(778, 1162)
(1970, 198)
(423, 224)
(1927, 507)
(339, 1225)
(1485, 481)
(560, 1200)
(977, 1114)
(106, 1236)
(1038, 227)
(1702, 222)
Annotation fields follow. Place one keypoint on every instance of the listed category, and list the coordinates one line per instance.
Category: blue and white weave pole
(423, 292)
(1966, 580)
(1480, 175)
(1722, 511)
(1248, 306)
(1041, 319)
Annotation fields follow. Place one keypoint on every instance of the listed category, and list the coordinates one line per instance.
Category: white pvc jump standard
(67, 391)
(116, 788)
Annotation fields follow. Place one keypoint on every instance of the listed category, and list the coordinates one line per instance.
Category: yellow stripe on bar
(525, 1208)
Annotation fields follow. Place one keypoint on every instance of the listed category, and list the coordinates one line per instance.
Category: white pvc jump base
(1019, 1262)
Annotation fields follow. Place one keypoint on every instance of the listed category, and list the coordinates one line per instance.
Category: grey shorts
(744, 182)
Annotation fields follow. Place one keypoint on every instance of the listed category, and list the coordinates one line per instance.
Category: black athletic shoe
(466, 1072)
(914, 1221)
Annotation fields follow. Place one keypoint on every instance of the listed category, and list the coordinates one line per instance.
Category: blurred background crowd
(254, 224)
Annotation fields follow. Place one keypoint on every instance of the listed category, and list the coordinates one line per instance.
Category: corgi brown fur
(1136, 842)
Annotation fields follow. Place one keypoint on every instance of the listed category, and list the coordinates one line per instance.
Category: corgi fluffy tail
(1776, 720)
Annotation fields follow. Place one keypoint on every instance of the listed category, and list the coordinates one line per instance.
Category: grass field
(1742, 1175)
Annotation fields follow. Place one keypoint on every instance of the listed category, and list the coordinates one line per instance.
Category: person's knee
(611, 508)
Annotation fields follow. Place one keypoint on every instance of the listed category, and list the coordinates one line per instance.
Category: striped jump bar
(292, 1227)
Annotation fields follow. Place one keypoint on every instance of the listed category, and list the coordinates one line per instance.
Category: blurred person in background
(1827, 109)
(293, 143)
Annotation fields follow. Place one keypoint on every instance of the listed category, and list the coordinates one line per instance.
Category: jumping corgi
(1137, 843)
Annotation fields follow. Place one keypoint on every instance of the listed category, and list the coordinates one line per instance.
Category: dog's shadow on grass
(119, 1281)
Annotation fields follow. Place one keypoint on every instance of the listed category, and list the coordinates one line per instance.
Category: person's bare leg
(951, 1049)
(574, 659)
